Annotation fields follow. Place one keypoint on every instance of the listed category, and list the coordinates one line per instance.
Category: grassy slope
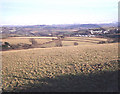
(23, 68)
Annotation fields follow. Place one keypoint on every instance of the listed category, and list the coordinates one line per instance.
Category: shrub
(59, 43)
(101, 42)
(113, 40)
(53, 39)
(6, 46)
(33, 41)
(6, 43)
(14, 46)
(42, 47)
(75, 43)
(116, 40)
(27, 46)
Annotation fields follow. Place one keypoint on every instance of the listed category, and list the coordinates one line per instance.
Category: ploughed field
(86, 67)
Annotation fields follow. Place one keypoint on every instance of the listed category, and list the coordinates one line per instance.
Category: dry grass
(25, 40)
(86, 38)
(69, 41)
(33, 37)
(22, 67)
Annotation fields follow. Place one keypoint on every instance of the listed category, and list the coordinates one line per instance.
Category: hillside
(85, 68)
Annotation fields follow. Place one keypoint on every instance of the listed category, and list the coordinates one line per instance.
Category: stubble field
(16, 40)
(86, 67)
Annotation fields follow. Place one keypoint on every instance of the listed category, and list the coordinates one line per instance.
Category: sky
(37, 12)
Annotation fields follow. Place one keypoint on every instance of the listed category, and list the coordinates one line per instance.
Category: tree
(59, 43)
(75, 43)
(33, 41)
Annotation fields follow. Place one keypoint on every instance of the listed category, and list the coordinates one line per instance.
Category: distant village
(95, 32)
(56, 31)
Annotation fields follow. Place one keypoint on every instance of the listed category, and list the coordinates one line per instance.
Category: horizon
(60, 24)
(44, 12)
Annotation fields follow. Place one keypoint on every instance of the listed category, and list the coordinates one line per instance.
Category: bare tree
(75, 43)
(33, 41)
(59, 43)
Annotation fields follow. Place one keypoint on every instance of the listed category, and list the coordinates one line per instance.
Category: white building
(95, 31)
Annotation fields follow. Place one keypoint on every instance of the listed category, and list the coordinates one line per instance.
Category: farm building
(96, 31)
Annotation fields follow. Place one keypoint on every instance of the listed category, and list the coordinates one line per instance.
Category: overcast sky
(29, 12)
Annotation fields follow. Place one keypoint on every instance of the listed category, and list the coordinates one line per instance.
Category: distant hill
(73, 26)
(35, 30)
(90, 26)
(109, 24)
(68, 26)
(65, 26)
